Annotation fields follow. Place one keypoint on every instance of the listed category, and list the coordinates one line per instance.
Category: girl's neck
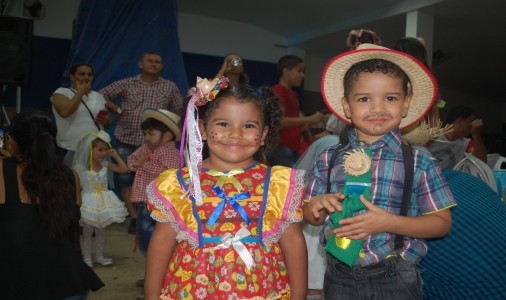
(209, 164)
(96, 166)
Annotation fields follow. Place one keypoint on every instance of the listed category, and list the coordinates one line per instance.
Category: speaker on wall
(15, 40)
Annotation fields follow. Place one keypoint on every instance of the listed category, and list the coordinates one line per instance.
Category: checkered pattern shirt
(137, 95)
(163, 158)
(430, 192)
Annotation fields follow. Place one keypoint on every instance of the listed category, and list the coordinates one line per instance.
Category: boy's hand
(359, 227)
(328, 203)
(140, 161)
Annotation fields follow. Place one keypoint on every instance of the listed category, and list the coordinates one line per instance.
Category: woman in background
(40, 257)
(78, 109)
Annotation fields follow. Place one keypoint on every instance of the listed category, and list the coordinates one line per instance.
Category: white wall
(57, 22)
(211, 36)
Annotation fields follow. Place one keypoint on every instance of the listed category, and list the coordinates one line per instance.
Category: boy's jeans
(393, 278)
(145, 227)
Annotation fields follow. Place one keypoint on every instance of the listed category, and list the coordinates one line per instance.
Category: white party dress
(100, 206)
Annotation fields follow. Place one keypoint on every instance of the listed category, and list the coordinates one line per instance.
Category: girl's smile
(233, 133)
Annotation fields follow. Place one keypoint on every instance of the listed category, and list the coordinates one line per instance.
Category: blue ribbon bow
(233, 202)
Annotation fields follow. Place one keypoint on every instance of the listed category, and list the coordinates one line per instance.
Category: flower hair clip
(207, 90)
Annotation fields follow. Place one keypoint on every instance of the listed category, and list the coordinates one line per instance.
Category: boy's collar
(391, 139)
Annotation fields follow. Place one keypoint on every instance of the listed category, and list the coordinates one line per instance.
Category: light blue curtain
(111, 35)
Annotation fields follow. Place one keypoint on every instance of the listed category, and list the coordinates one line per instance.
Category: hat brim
(168, 118)
(423, 83)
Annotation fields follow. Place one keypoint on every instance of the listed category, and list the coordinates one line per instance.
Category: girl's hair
(362, 36)
(413, 47)
(264, 99)
(73, 69)
(50, 184)
(287, 62)
(373, 66)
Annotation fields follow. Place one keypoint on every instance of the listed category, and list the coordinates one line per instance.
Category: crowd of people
(222, 202)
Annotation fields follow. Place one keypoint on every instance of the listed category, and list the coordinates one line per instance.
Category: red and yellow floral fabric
(195, 270)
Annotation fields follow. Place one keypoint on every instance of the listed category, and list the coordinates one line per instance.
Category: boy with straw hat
(382, 199)
(161, 129)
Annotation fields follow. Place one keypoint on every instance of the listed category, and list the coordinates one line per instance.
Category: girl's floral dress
(228, 246)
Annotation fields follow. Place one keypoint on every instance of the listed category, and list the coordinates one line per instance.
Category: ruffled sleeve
(167, 205)
(284, 202)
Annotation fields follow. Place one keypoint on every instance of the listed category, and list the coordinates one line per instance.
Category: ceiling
(471, 34)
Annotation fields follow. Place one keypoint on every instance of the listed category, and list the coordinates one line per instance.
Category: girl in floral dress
(228, 226)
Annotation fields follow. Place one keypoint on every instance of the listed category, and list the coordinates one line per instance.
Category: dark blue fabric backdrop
(112, 35)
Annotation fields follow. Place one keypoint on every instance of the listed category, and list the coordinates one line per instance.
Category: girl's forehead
(231, 107)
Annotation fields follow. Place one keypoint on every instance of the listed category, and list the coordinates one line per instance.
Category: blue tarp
(112, 35)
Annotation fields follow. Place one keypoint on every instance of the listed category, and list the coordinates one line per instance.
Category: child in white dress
(100, 206)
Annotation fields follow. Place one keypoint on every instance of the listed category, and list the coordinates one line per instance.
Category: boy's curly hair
(373, 66)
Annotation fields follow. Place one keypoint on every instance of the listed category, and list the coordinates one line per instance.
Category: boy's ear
(405, 105)
(202, 130)
(346, 108)
(169, 135)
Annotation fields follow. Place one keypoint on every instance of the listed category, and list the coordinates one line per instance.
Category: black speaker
(15, 41)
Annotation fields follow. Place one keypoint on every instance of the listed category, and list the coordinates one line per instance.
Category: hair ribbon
(191, 139)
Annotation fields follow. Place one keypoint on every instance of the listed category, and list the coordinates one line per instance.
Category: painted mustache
(378, 116)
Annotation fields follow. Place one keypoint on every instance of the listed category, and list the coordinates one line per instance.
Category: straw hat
(422, 81)
(166, 117)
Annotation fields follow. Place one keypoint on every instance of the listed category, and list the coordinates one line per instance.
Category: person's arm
(137, 159)
(79, 200)
(161, 246)
(64, 106)
(105, 121)
(377, 220)
(111, 106)
(315, 118)
(120, 166)
(112, 91)
(479, 150)
(293, 247)
(319, 207)
(224, 67)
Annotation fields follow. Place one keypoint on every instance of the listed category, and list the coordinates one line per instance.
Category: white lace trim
(294, 205)
(160, 206)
